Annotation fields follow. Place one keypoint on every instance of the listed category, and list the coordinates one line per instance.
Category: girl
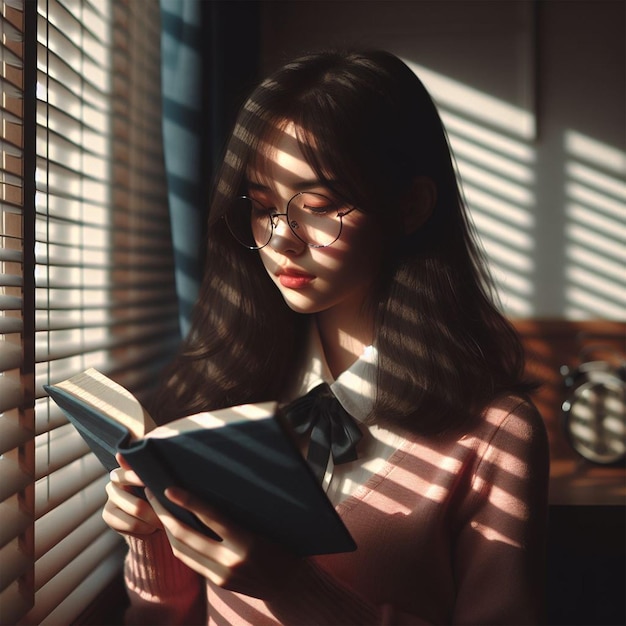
(340, 252)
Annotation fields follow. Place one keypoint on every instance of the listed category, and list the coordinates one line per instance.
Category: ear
(418, 204)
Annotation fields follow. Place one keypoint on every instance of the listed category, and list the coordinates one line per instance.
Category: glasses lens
(249, 222)
(314, 218)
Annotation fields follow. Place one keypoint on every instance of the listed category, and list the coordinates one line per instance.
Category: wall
(534, 97)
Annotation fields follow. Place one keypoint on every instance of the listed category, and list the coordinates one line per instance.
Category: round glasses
(313, 218)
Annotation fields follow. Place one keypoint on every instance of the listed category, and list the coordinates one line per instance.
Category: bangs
(318, 151)
(325, 142)
(310, 144)
(261, 153)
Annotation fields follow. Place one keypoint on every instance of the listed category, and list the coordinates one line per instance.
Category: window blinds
(104, 290)
(16, 414)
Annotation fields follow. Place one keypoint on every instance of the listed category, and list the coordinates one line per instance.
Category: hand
(125, 512)
(241, 562)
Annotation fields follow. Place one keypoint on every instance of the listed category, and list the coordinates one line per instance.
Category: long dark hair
(367, 124)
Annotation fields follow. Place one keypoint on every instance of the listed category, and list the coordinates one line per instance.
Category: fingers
(124, 475)
(241, 562)
(122, 461)
(210, 558)
(179, 530)
(208, 515)
(126, 513)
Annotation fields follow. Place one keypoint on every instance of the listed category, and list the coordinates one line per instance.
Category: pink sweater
(451, 531)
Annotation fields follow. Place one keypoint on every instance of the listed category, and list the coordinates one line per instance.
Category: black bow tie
(333, 430)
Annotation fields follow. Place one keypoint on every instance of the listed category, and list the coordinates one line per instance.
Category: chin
(301, 304)
(302, 309)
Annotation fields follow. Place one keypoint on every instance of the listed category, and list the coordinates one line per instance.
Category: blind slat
(12, 435)
(11, 394)
(10, 280)
(11, 30)
(52, 528)
(9, 90)
(14, 563)
(9, 57)
(71, 592)
(8, 116)
(61, 350)
(10, 325)
(61, 485)
(8, 255)
(14, 478)
(57, 596)
(88, 589)
(141, 313)
(61, 555)
(10, 355)
(48, 417)
(67, 447)
(14, 520)
(14, 603)
(10, 303)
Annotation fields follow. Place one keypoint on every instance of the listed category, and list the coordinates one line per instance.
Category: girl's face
(337, 278)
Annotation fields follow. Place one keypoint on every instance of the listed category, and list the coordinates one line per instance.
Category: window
(86, 277)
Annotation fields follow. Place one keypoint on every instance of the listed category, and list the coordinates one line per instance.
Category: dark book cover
(250, 469)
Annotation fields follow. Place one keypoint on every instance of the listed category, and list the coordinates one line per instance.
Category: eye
(319, 205)
(317, 210)
(259, 206)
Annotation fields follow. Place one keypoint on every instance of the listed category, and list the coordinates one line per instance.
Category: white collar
(355, 388)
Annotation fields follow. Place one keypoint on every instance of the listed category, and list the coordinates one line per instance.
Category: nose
(283, 238)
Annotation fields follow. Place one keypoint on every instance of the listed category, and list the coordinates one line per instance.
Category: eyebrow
(300, 185)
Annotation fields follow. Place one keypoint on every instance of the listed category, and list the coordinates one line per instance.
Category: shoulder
(512, 433)
(508, 430)
(515, 415)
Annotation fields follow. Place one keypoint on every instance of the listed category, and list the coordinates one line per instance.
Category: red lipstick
(294, 280)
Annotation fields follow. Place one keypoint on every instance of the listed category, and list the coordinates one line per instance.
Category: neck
(344, 340)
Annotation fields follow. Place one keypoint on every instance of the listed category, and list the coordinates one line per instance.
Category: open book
(242, 460)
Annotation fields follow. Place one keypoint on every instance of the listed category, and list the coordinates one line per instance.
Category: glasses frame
(273, 221)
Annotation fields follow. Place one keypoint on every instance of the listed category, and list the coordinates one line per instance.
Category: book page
(104, 394)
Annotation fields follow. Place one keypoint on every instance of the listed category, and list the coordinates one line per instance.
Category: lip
(294, 279)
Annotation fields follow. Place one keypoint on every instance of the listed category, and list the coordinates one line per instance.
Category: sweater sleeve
(161, 589)
(500, 552)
